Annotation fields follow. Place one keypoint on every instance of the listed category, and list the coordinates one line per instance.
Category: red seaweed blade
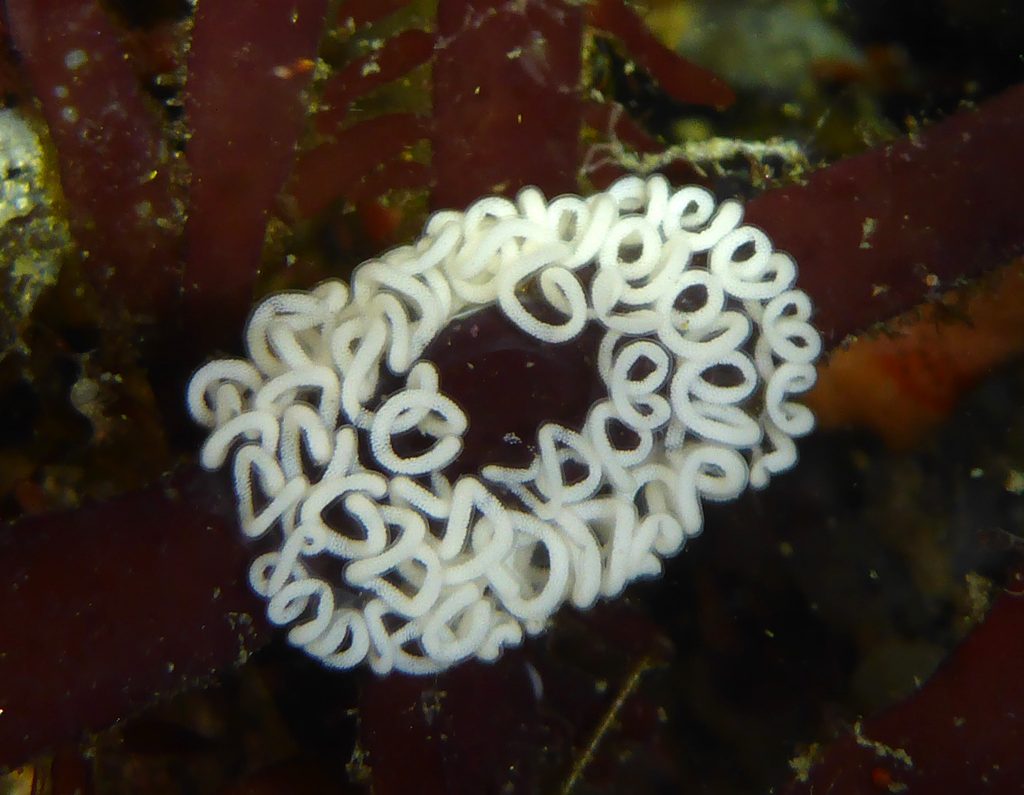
(331, 170)
(524, 62)
(245, 106)
(114, 165)
(513, 117)
(868, 232)
(971, 711)
(103, 607)
(680, 79)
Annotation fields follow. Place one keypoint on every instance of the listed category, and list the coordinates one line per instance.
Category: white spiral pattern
(437, 572)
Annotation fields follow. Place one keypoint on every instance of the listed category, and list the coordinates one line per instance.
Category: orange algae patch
(905, 381)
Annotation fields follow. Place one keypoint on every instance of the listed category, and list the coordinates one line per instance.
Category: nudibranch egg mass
(364, 548)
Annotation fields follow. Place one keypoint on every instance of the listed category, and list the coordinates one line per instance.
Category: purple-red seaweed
(681, 80)
(104, 606)
(971, 710)
(95, 619)
(114, 163)
(239, 153)
(875, 232)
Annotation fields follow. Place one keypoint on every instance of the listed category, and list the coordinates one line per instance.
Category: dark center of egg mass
(509, 384)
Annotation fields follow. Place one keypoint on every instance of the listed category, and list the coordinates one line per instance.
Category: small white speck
(69, 114)
(61, 92)
(867, 230)
(536, 684)
(76, 59)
